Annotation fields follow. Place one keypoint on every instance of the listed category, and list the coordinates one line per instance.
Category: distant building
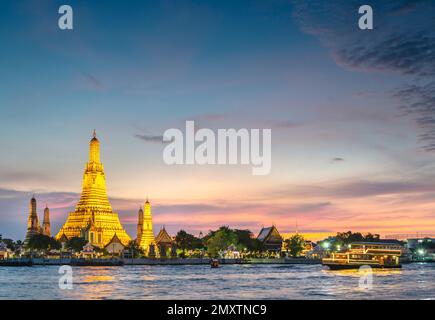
(5, 252)
(164, 242)
(88, 251)
(271, 239)
(115, 246)
(414, 243)
(46, 222)
(33, 226)
(139, 225)
(146, 234)
(63, 241)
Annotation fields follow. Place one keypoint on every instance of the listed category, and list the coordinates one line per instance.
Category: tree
(9, 243)
(246, 240)
(43, 242)
(186, 241)
(221, 240)
(343, 239)
(135, 250)
(76, 244)
(295, 244)
(371, 237)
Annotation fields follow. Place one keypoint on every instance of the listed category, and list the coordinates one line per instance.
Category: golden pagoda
(146, 234)
(93, 217)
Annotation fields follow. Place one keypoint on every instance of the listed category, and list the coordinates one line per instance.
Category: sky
(351, 111)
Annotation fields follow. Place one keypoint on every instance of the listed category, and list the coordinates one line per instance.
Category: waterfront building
(63, 241)
(271, 239)
(164, 242)
(415, 243)
(115, 246)
(93, 216)
(33, 227)
(88, 251)
(46, 222)
(146, 234)
(5, 252)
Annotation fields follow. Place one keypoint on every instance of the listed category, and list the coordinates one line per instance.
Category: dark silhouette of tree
(76, 244)
(186, 241)
(135, 250)
(43, 242)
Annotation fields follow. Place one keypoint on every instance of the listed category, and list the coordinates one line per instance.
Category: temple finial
(94, 134)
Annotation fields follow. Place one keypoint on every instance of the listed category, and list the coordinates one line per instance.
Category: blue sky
(348, 109)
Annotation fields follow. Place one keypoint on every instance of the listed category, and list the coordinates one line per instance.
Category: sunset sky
(351, 111)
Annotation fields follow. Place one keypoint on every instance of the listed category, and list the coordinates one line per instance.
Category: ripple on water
(414, 281)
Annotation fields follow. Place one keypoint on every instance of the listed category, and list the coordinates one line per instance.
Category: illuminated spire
(94, 205)
(94, 149)
(147, 235)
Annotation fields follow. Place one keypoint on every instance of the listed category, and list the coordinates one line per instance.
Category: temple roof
(269, 233)
(163, 236)
(114, 240)
(63, 238)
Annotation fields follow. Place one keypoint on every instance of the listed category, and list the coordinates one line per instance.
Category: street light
(326, 244)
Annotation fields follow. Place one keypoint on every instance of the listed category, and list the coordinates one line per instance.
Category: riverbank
(148, 261)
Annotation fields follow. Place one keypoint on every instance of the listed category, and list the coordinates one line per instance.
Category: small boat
(373, 254)
(214, 263)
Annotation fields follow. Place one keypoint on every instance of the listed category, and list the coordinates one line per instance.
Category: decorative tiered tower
(139, 225)
(46, 222)
(93, 216)
(147, 235)
(33, 227)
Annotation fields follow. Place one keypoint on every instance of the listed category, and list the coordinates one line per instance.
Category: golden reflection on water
(99, 283)
(95, 278)
(356, 273)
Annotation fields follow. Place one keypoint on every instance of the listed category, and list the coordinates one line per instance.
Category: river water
(413, 281)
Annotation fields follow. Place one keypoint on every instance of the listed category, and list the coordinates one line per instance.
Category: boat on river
(373, 254)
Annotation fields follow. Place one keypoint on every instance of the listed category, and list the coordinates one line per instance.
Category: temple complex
(146, 235)
(93, 217)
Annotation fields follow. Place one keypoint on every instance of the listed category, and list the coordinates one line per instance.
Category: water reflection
(414, 281)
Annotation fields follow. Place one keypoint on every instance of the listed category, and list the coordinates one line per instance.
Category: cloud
(23, 176)
(355, 189)
(402, 42)
(92, 81)
(151, 138)
(419, 101)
